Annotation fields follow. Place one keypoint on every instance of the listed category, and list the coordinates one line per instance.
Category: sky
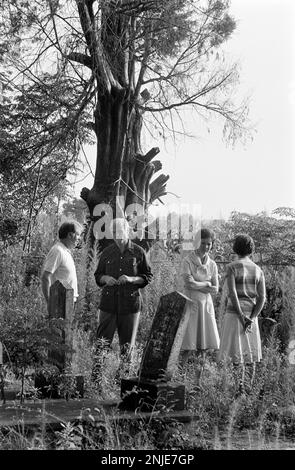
(260, 176)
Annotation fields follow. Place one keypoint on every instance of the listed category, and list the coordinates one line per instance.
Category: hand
(110, 281)
(248, 324)
(207, 283)
(125, 279)
(190, 283)
(187, 278)
(210, 290)
(249, 328)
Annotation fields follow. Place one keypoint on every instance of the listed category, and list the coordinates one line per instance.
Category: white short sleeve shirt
(60, 263)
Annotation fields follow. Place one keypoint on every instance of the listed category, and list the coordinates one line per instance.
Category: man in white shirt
(59, 263)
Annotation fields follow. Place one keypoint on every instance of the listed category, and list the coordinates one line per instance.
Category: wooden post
(61, 305)
(153, 388)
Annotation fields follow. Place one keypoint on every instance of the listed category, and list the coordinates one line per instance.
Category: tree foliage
(89, 70)
(77, 209)
(273, 235)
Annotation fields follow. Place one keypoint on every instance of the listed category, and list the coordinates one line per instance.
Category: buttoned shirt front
(124, 298)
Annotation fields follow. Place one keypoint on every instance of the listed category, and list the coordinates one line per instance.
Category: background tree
(77, 209)
(273, 235)
(127, 63)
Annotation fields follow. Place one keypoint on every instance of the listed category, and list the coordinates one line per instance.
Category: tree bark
(121, 167)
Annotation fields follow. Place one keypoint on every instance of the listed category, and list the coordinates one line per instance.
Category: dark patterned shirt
(247, 276)
(126, 298)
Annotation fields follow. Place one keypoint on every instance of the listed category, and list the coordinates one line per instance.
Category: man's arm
(138, 280)
(107, 280)
(144, 276)
(100, 271)
(101, 278)
(52, 262)
(46, 283)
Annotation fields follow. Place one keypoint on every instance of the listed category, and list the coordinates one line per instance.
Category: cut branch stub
(142, 161)
(157, 165)
(93, 197)
(84, 194)
(158, 187)
(141, 170)
(151, 154)
(134, 186)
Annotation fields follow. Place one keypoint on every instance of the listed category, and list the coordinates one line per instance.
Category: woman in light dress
(200, 276)
(240, 337)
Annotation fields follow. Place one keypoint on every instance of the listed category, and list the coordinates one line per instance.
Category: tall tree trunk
(121, 167)
(88, 294)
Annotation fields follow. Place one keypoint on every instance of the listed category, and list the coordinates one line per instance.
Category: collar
(128, 246)
(198, 258)
(64, 246)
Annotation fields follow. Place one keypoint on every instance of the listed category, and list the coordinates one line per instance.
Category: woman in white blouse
(200, 276)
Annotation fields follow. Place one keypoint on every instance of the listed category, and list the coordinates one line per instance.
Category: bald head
(120, 230)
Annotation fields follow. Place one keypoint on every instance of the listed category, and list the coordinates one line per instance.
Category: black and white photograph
(147, 229)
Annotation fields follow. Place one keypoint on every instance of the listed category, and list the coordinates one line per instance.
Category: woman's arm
(209, 287)
(232, 292)
(213, 289)
(261, 297)
(190, 283)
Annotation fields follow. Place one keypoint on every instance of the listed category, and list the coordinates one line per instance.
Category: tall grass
(286, 327)
(262, 416)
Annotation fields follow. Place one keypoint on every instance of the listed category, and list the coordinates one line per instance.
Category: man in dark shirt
(122, 270)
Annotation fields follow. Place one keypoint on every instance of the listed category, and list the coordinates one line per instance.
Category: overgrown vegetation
(263, 417)
(117, 69)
